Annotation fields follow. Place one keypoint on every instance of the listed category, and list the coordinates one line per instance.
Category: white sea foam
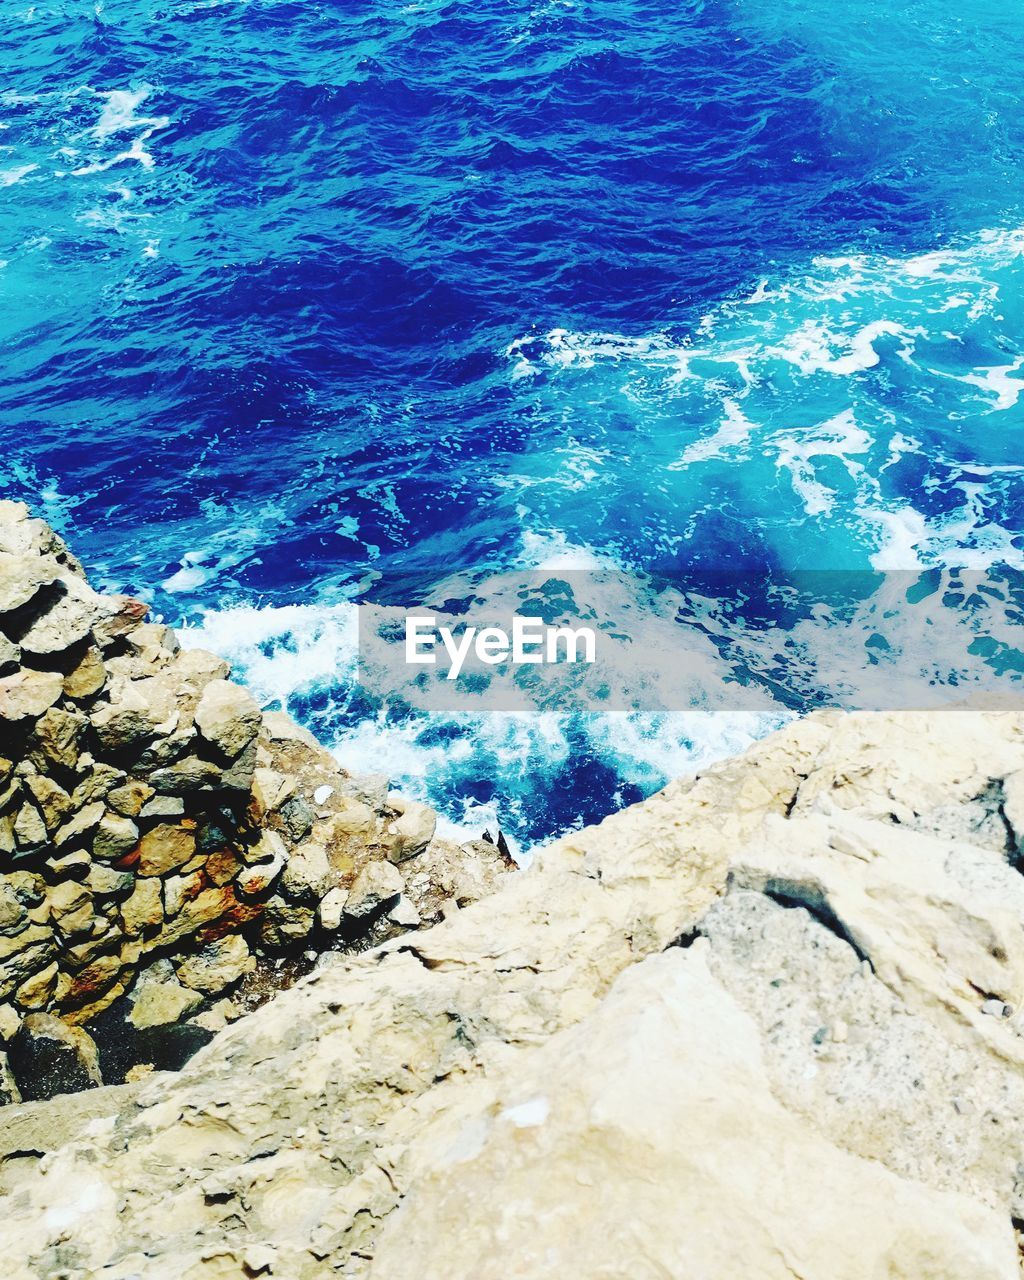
(825, 346)
(998, 382)
(8, 177)
(486, 768)
(118, 119)
(840, 437)
(308, 652)
(735, 432)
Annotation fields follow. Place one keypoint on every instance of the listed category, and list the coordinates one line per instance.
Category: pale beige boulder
(646, 1142)
(217, 966)
(227, 716)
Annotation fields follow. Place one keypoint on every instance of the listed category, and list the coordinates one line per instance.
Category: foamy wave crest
(534, 773)
(818, 409)
(698, 671)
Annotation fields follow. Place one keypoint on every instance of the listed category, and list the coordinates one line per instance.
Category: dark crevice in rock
(791, 802)
(426, 961)
(686, 940)
(795, 895)
(800, 895)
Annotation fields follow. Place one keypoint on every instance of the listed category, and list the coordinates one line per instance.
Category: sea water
(304, 299)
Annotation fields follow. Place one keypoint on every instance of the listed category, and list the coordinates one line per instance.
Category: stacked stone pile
(159, 834)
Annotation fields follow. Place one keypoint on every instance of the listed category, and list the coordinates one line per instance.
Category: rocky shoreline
(768, 1023)
(171, 854)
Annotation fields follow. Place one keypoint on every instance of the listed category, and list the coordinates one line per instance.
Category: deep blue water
(300, 297)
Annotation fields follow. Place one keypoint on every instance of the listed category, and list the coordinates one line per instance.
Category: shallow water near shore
(305, 300)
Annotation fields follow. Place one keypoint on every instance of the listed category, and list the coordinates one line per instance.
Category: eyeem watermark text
(531, 641)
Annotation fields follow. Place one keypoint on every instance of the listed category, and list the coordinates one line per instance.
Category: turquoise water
(302, 300)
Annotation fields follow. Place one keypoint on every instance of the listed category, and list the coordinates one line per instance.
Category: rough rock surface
(150, 814)
(769, 1023)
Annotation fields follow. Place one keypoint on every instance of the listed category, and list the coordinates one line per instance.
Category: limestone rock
(10, 655)
(158, 811)
(280, 727)
(58, 734)
(29, 828)
(91, 987)
(70, 906)
(159, 999)
(208, 907)
(143, 908)
(412, 830)
(268, 848)
(65, 621)
(13, 910)
(735, 1031)
(47, 1057)
(148, 636)
(270, 789)
(163, 807)
(52, 801)
(87, 677)
(186, 777)
(128, 800)
(198, 667)
(221, 867)
(594, 1126)
(121, 615)
(24, 954)
(22, 535)
(10, 1022)
(27, 693)
(114, 837)
(308, 874)
(79, 824)
(297, 817)
(255, 880)
(404, 914)
(376, 884)
(21, 578)
(9, 1092)
(446, 874)
(1013, 807)
(239, 773)
(372, 789)
(167, 750)
(228, 717)
(217, 966)
(219, 1015)
(99, 780)
(331, 910)
(177, 890)
(75, 865)
(166, 847)
(352, 819)
(108, 882)
(285, 924)
(37, 991)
